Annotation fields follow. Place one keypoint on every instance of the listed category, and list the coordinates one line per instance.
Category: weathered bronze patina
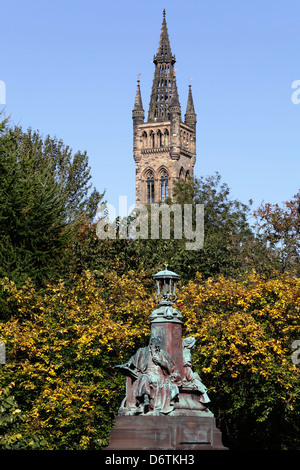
(165, 406)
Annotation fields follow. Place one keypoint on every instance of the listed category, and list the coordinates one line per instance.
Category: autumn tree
(74, 306)
(222, 213)
(227, 238)
(279, 226)
(60, 390)
(245, 329)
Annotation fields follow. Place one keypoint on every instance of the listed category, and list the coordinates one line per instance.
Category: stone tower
(164, 147)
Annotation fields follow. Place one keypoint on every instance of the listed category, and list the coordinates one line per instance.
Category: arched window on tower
(164, 184)
(144, 137)
(159, 136)
(166, 136)
(150, 187)
(152, 139)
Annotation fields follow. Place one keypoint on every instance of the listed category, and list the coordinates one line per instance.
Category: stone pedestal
(171, 339)
(165, 433)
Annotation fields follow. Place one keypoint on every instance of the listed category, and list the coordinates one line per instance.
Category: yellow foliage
(64, 341)
(63, 344)
(245, 324)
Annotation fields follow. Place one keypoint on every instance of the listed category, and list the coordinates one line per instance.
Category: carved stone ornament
(167, 313)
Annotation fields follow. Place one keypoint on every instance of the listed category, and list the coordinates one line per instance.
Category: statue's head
(155, 343)
(188, 342)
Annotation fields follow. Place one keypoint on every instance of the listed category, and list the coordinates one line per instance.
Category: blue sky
(70, 69)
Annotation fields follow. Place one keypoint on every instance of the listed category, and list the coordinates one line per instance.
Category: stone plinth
(165, 433)
(171, 339)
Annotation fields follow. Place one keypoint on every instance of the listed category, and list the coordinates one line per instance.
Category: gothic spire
(190, 115)
(174, 103)
(190, 104)
(138, 111)
(163, 77)
(164, 49)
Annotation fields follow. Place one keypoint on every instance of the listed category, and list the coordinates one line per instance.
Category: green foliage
(230, 246)
(43, 191)
(73, 306)
(279, 227)
(12, 436)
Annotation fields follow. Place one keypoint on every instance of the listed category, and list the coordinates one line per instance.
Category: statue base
(180, 432)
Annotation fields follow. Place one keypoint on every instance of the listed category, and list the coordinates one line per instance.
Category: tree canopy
(74, 306)
(44, 189)
(60, 390)
(279, 227)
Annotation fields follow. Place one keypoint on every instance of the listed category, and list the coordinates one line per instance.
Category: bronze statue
(165, 406)
(191, 378)
(153, 387)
